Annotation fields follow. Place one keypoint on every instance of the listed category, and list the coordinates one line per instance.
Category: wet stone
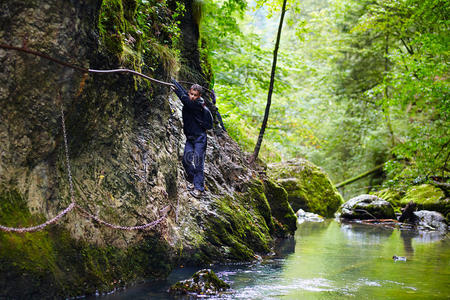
(366, 207)
(203, 282)
(431, 220)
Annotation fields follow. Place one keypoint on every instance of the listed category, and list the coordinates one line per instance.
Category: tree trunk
(272, 80)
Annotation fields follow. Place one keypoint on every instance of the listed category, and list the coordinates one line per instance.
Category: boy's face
(193, 95)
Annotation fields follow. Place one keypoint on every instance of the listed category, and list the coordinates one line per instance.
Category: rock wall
(125, 141)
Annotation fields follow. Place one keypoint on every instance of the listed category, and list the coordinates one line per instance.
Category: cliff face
(125, 144)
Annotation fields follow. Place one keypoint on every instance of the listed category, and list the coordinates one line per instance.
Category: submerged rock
(308, 186)
(203, 282)
(366, 207)
(431, 220)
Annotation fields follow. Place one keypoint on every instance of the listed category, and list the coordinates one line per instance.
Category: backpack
(207, 122)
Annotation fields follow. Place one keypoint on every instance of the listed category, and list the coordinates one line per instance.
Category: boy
(194, 128)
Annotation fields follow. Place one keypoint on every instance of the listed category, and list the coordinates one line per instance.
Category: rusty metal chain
(41, 226)
(140, 227)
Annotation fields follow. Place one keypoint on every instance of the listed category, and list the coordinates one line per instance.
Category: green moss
(239, 229)
(392, 196)
(202, 282)
(308, 187)
(280, 207)
(51, 263)
(424, 194)
(427, 197)
(139, 35)
(258, 200)
(241, 226)
(112, 25)
(247, 224)
(31, 252)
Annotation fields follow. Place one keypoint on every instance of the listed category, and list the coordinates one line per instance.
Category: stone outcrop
(308, 187)
(202, 283)
(366, 207)
(125, 144)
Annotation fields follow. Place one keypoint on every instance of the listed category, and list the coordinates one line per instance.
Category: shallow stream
(330, 260)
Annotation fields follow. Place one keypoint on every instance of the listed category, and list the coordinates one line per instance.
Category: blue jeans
(194, 160)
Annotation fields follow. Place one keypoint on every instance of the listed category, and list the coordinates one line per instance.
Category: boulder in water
(304, 216)
(431, 220)
(203, 282)
(308, 187)
(365, 207)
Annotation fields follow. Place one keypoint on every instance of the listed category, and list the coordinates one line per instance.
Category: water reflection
(337, 261)
(407, 238)
(366, 234)
(284, 247)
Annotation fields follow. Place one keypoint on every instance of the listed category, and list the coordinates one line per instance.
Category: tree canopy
(358, 84)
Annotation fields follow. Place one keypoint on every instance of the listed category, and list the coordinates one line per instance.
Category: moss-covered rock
(428, 197)
(239, 227)
(203, 282)
(281, 209)
(424, 195)
(392, 196)
(308, 187)
(366, 207)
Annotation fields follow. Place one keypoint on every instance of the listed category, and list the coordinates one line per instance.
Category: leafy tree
(359, 83)
(417, 82)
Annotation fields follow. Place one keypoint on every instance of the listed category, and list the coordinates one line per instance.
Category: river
(330, 260)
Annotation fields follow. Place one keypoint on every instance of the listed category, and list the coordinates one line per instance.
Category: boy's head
(195, 92)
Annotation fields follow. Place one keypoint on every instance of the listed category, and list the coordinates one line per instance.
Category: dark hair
(198, 88)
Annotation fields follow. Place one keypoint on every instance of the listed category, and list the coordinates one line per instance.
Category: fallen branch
(348, 181)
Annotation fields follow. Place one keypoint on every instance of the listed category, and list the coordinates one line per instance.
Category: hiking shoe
(190, 186)
(196, 193)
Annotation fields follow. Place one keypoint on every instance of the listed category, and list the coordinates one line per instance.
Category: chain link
(41, 226)
(140, 227)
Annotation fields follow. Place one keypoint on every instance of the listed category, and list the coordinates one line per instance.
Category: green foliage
(358, 84)
(142, 34)
(417, 81)
(241, 59)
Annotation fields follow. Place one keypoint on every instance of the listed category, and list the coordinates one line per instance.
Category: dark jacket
(192, 112)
